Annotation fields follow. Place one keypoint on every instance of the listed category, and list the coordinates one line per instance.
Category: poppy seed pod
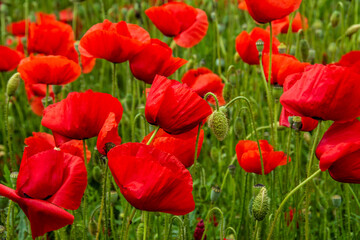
(219, 124)
(336, 200)
(260, 46)
(261, 205)
(13, 84)
(215, 193)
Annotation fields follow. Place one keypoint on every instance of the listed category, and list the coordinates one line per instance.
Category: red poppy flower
(282, 25)
(108, 134)
(283, 65)
(9, 59)
(152, 180)
(17, 28)
(50, 70)
(307, 124)
(87, 63)
(155, 58)
(249, 158)
(246, 45)
(41, 141)
(242, 5)
(50, 38)
(202, 81)
(264, 11)
(47, 182)
(35, 93)
(339, 151)
(174, 106)
(42, 17)
(115, 42)
(80, 115)
(351, 59)
(186, 24)
(182, 146)
(323, 92)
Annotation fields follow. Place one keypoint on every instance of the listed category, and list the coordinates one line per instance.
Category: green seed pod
(140, 231)
(335, 19)
(296, 123)
(282, 48)
(13, 84)
(336, 200)
(97, 174)
(352, 30)
(3, 202)
(215, 193)
(261, 205)
(219, 124)
(304, 49)
(227, 91)
(260, 46)
(92, 226)
(13, 177)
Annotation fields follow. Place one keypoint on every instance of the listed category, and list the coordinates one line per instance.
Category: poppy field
(180, 119)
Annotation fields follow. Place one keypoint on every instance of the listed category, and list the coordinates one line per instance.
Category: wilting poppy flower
(35, 93)
(202, 81)
(108, 134)
(182, 146)
(50, 38)
(80, 115)
(323, 93)
(186, 24)
(307, 124)
(174, 106)
(17, 28)
(155, 58)
(152, 180)
(283, 65)
(47, 182)
(41, 141)
(249, 157)
(351, 59)
(246, 45)
(9, 59)
(115, 42)
(339, 151)
(282, 25)
(50, 70)
(264, 11)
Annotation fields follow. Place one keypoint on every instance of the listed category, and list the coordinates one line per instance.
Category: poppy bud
(92, 226)
(317, 24)
(219, 124)
(312, 54)
(261, 205)
(236, 57)
(4, 8)
(114, 197)
(3, 202)
(304, 49)
(97, 174)
(199, 230)
(48, 100)
(13, 177)
(232, 169)
(332, 48)
(227, 91)
(352, 30)
(140, 231)
(260, 46)
(282, 48)
(336, 200)
(335, 19)
(213, 16)
(215, 193)
(13, 84)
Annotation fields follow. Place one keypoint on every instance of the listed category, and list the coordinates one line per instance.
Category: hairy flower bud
(261, 205)
(13, 84)
(335, 19)
(219, 124)
(304, 49)
(352, 30)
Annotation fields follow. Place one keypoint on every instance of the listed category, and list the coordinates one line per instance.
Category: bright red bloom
(47, 182)
(352, 60)
(35, 93)
(246, 45)
(42, 17)
(339, 151)
(307, 124)
(50, 70)
(186, 24)
(249, 157)
(323, 92)
(182, 146)
(17, 28)
(155, 58)
(202, 81)
(282, 25)
(108, 134)
(152, 180)
(264, 11)
(115, 42)
(242, 5)
(9, 59)
(80, 115)
(50, 38)
(174, 106)
(283, 65)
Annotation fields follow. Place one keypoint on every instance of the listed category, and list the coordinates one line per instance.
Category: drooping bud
(261, 205)
(236, 57)
(335, 18)
(260, 46)
(97, 174)
(336, 200)
(13, 177)
(304, 49)
(219, 124)
(13, 84)
(215, 193)
(199, 230)
(352, 30)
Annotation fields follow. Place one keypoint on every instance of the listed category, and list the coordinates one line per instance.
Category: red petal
(108, 133)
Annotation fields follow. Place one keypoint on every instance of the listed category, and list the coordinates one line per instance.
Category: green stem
(128, 222)
(197, 144)
(216, 100)
(8, 132)
(256, 229)
(153, 135)
(74, 21)
(146, 219)
(286, 198)
(210, 213)
(8, 226)
(113, 89)
(313, 147)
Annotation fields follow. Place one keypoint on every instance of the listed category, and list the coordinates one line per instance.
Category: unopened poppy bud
(97, 174)
(215, 193)
(219, 124)
(227, 92)
(336, 200)
(307, 137)
(304, 49)
(332, 48)
(261, 205)
(213, 16)
(352, 30)
(114, 196)
(140, 231)
(317, 24)
(260, 46)
(335, 19)
(199, 230)
(13, 84)
(13, 177)
(232, 168)
(312, 54)
(57, 89)
(277, 92)
(3, 202)
(236, 57)
(282, 48)
(92, 226)
(256, 189)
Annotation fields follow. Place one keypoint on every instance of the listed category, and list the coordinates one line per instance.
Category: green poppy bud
(219, 124)
(97, 174)
(335, 18)
(261, 205)
(352, 30)
(304, 49)
(13, 84)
